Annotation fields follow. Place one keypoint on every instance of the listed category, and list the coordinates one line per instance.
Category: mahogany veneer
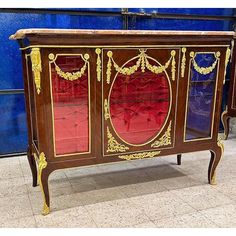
(103, 96)
(231, 105)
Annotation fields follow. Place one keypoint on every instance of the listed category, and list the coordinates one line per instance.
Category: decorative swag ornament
(71, 76)
(204, 70)
(143, 62)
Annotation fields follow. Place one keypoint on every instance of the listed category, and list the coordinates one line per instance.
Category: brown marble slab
(22, 33)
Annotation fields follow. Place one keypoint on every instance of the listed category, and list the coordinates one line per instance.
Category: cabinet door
(139, 99)
(71, 101)
(201, 93)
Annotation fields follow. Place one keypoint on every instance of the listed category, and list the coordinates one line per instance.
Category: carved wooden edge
(225, 121)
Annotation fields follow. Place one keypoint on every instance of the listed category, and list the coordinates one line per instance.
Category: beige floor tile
(9, 161)
(24, 222)
(58, 203)
(223, 216)
(118, 213)
(80, 172)
(56, 181)
(14, 207)
(159, 205)
(12, 187)
(74, 217)
(118, 166)
(125, 194)
(149, 162)
(227, 187)
(179, 182)
(202, 197)
(125, 178)
(164, 171)
(89, 183)
(148, 224)
(9, 171)
(138, 189)
(192, 220)
(101, 195)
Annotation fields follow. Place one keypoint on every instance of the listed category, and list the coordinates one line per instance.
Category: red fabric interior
(70, 100)
(139, 104)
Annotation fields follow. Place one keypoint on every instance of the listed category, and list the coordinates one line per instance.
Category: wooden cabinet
(104, 96)
(231, 105)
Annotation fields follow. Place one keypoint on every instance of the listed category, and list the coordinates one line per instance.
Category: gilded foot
(43, 182)
(216, 155)
(46, 209)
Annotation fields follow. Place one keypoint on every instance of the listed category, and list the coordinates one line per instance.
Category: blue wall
(13, 131)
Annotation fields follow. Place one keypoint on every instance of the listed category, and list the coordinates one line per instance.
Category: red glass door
(139, 86)
(71, 106)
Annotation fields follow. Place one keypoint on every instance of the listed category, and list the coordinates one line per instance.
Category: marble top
(22, 33)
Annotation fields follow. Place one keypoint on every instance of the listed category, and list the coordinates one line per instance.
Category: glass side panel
(201, 95)
(139, 104)
(71, 107)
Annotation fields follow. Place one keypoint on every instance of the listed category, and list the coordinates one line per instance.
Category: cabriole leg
(43, 175)
(225, 121)
(33, 166)
(216, 156)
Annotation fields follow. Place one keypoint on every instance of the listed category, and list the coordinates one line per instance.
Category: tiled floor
(143, 193)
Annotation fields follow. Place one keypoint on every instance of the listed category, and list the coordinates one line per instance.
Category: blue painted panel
(188, 11)
(13, 124)
(172, 24)
(10, 60)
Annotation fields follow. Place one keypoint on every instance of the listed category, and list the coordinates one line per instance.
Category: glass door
(70, 94)
(139, 89)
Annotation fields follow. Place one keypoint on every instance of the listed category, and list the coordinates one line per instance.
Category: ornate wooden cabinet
(231, 105)
(104, 96)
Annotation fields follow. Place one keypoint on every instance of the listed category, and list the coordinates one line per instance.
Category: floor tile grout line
(200, 212)
(91, 216)
(32, 210)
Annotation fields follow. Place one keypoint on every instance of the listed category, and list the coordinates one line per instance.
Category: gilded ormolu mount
(204, 70)
(113, 145)
(141, 62)
(71, 76)
(36, 67)
(140, 155)
(99, 63)
(165, 139)
(42, 164)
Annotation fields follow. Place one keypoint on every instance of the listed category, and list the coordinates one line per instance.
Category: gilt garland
(71, 76)
(204, 70)
(141, 62)
(139, 155)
